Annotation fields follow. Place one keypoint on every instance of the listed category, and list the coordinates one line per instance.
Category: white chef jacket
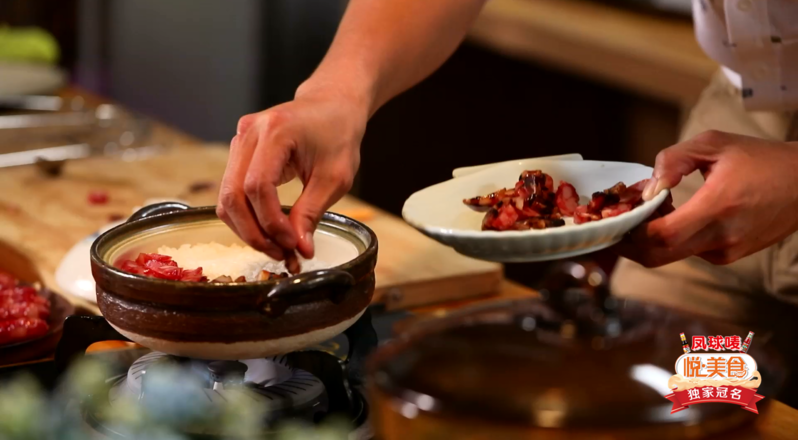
(756, 42)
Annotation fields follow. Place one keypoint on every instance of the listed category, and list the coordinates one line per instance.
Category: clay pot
(234, 320)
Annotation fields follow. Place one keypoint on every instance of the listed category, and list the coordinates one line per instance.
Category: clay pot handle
(157, 209)
(334, 282)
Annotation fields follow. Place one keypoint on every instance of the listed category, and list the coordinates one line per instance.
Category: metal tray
(50, 129)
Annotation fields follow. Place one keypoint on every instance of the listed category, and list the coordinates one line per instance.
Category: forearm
(384, 47)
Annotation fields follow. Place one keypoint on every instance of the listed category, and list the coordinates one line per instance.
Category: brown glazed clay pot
(575, 364)
(234, 320)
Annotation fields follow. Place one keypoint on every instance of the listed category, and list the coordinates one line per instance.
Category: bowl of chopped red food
(178, 280)
(31, 316)
(534, 209)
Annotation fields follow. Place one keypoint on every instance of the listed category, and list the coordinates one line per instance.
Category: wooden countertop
(646, 54)
(780, 422)
(45, 217)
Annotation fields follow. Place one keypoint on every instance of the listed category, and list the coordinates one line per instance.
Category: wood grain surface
(647, 54)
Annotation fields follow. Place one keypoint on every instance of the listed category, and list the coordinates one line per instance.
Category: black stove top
(308, 386)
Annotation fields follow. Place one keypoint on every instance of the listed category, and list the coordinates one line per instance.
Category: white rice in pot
(234, 260)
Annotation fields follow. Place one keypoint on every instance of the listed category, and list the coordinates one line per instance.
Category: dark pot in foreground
(576, 364)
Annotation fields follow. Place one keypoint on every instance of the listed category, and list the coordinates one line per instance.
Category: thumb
(675, 162)
(318, 195)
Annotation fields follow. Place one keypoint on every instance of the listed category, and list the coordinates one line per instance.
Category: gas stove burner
(270, 382)
(309, 385)
(227, 374)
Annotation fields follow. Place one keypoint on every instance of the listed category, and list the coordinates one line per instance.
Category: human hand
(748, 202)
(315, 137)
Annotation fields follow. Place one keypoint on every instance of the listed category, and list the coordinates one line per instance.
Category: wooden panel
(647, 54)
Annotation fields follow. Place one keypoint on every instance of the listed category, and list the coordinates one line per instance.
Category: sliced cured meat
(490, 199)
(143, 259)
(617, 189)
(132, 267)
(265, 275)
(533, 204)
(489, 219)
(506, 218)
(529, 212)
(631, 197)
(612, 202)
(222, 279)
(20, 329)
(6, 280)
(583, 215)
(634, 194)
(24, 310)
(567, 198)
(536, 181)
(193, 275)
(579, 213)
(21, 294)
(98, 197)
(518, 203)
(532, 196)
(600, 200)
(543, 206)
(519, 191)
(164, 271)
(538, 223)
(160, 266)
(614, 210)
(596, 201)
(639, 186)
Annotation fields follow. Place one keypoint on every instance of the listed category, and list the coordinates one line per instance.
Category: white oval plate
(438, 211)
(73, 274)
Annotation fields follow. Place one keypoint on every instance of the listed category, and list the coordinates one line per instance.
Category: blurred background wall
(199, 65)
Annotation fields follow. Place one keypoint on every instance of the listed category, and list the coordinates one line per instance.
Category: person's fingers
(324, 188)
(260, 186)
(666, 207)
(678, 161)
(676, 228)
(250, 231)
(233, 208)
(232, 181)
(731, 247)
(678, 234)
(245, 123)
(637, 247)
(292, 262)
(718, 257)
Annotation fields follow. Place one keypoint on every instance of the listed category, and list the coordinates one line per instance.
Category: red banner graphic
(745, 397)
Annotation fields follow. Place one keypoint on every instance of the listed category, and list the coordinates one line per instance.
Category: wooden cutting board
(44, 217)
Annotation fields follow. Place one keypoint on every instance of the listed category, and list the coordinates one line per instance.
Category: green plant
(27, 412)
